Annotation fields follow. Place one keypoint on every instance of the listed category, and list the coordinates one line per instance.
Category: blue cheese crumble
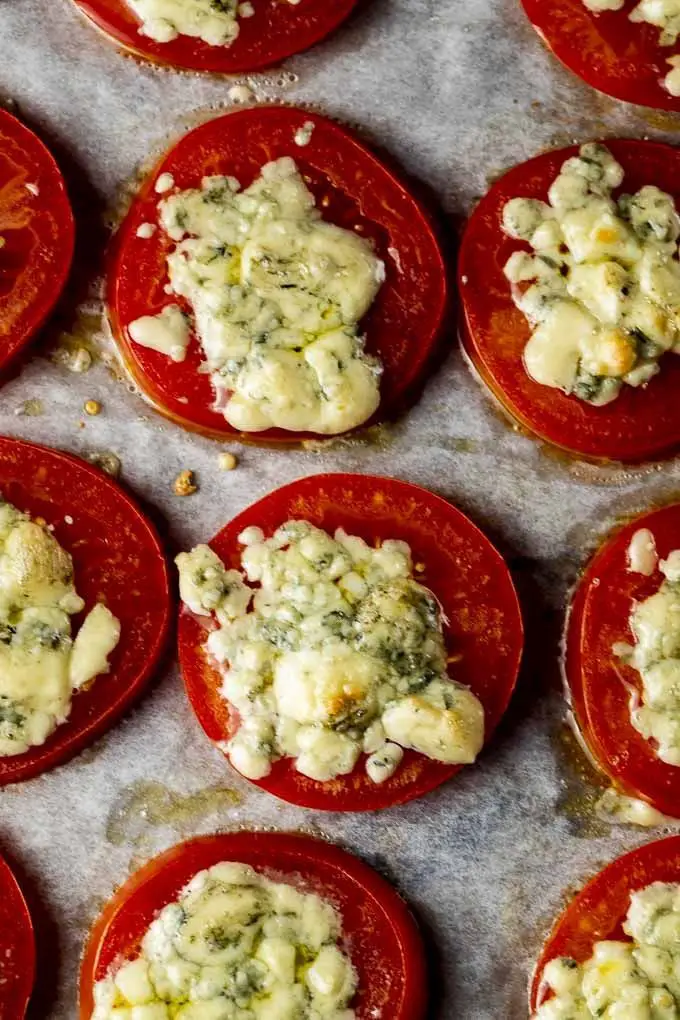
(635, 980)
(338, 651)
(235, 946)
(41, 665)
(277, 295)
(213, 21)
(601, 285)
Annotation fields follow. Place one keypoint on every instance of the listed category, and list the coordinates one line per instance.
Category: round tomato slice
(17, 948)
(600, 684)
(380, 934)
(118, 559)
(354, 190)
(597, 913)
(36, 235)
(641, 423)
(277, 30)
(468, 576)
(615, 55)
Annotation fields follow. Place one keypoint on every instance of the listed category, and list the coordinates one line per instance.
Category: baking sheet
(456, 90)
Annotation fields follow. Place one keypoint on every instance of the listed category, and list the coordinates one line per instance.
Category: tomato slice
(641, 423)
(382, 937)
(599, 683)
(277, 30)
(118, 558)
(36, 225)
(597, 913)
(621, 58)
(354, 190)
(17, 948)
(463, 569)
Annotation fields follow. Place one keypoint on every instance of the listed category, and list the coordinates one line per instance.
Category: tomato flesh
(118, 559)
(463, 569)
(599, 683)
(17, 948)
(353, 189)
(381, 935)
(597, 913)
(37, 231)
(277, 30)
(641, 423)
(621, 58)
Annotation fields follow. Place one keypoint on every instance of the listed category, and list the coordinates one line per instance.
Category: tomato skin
(641, 423)
(107, 566)
(17, 948)
(406, 320)
(383, 939)
(599, 684)
(466, 573)
(278, 30)
(39, 234)
(621, 58)
(598, 911)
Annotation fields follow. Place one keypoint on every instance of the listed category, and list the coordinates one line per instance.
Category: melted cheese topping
(636, 980)
(341, 652)
(40, 664)
(655, 623)
(213, 21)
(277, 295)
(663, 14)
(601, 288)
(235, 946)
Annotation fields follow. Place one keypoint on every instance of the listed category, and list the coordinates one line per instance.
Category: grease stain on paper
(148, 805)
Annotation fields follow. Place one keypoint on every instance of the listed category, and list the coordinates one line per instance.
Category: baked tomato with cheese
(604, 687)
(118, 560)
(36, 235)
(598, 911)
(643, 422)
(622, 58)
(378, 931)
(352, 189)
(17, 948)
(267, 34)
(453, 559)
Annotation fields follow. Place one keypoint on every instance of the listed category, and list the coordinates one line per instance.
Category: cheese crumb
(146, 230)
(33, 188)
(303, 135)
(642, 555)
(184, 484)
(227, 461)
(165, 182)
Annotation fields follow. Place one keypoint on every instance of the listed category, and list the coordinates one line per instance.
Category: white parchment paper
(456, 90)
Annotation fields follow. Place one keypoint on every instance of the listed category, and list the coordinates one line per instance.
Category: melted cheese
(337, 652)
(635, 980)
(662, 14)
(40, 664)
(655, 623)
(213, 21)
(601, 286)
(277, 295)
(235, 946)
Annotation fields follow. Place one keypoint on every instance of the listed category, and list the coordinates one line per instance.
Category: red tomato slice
(277, 30)
(599, 683)
(382, 938)
(118, 559)
(619, 57)
(597, 913)
(36, 225)
(353, 189)
(17, 948)
(463, 569)
(641, 423)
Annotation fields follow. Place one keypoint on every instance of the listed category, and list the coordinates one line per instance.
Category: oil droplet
(148, 805)
(32, 408)
(582, 787)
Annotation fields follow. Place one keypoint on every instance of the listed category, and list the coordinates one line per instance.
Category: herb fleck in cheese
(277, 295)
(235, 946)
(338, 652)
(634, 980)
(213, 21)
(40, 663)
(601, 286)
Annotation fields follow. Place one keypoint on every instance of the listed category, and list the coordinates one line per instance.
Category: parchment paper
(456, 90)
